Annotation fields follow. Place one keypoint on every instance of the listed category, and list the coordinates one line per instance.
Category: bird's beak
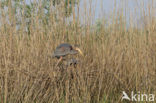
(79, 51)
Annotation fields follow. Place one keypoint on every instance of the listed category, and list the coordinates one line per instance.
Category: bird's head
(79, 50)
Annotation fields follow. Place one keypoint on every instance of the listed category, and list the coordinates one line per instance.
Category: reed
(117, 57)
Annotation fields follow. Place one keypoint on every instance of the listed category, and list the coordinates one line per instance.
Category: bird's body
(65, 49)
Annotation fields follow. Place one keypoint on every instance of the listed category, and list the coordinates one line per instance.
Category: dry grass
(116, 59)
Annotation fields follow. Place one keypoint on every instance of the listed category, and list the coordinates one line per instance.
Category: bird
(65, 49)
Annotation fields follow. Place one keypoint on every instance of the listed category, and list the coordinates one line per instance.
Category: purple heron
(65, 49)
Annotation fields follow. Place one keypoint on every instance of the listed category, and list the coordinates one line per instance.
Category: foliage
(41, 7)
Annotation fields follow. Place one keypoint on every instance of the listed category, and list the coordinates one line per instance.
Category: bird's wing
(60, 51)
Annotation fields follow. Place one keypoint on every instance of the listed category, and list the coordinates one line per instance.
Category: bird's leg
(59, 61)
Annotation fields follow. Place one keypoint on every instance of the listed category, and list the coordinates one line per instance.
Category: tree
(22, 9)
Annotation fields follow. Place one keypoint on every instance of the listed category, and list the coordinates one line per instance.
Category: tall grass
(117, 58)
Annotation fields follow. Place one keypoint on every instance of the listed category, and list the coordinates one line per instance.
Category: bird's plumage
(63, 50)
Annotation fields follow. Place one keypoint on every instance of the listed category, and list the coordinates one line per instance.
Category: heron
(65, 49)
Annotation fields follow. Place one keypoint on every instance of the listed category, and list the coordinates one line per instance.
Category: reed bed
(116, 58)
